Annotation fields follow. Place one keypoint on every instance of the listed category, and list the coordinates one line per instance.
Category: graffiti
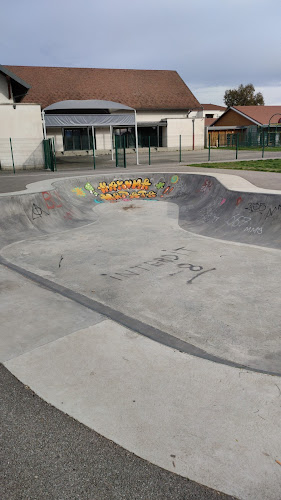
(206, 186)
(167, 190)
(60, 260)
(263, 209)
(238, 221)
(120, 185)
(48, 197)
(68, 216)
(256, 207)
(78, 191)
(37, 212)
(255, 230)
(173, 257)
(189, 282)
(160, 185)
(90, 188)
(125, 195)
(209, 214)
(222, 201)
(238, 201)
(126, 190)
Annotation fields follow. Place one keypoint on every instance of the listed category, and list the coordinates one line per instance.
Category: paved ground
(48, 455)
(161, 334)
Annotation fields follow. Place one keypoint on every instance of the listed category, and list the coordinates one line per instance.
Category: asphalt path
(49, 455)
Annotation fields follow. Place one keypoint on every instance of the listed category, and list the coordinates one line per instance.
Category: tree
(243, 96)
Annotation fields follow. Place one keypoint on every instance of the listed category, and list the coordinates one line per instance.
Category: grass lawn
(259, 165)
(248, 148)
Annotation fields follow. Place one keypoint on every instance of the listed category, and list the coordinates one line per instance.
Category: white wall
(184, 128)
(103, 141)
(217, 113)
(4, 92)
(23, 125)
(156, 116)
(57, 134)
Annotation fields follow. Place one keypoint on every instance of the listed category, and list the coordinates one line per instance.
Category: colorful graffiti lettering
(222, 201)
(126, 190)
(174, 179)
(78, 191)
(125, 195)
(238, 201)
(120, 185)
(90, 188)
(47, 197)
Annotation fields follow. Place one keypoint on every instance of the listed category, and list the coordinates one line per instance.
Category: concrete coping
(230, 182)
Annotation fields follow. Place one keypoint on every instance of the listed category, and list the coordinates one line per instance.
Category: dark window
(209, 115)
(78, 139)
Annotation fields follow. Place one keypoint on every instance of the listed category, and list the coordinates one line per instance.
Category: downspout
(44, 124)
(193, 135)
(193, 125)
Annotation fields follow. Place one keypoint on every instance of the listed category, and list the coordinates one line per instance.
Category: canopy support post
(136, 135)
(111, 140)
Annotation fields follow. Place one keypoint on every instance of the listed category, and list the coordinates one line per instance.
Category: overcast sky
(213, 44)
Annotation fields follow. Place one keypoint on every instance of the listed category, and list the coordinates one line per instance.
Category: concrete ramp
(182, 258)
(148, 308)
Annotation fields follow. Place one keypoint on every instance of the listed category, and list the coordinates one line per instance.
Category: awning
(87, 104)
(122, 120)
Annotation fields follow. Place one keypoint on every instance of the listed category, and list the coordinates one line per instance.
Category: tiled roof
(139, 89)
(209, 107)
(209, 121)
(261, 114)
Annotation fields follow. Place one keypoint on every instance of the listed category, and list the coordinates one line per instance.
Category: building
(21, 131)
(253, 124)
(210, 113)
(88, 106)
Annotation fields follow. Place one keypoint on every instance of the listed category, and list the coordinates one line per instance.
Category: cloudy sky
(213, 44)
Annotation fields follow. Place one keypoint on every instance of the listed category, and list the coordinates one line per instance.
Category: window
(78, 139)
(209, 115)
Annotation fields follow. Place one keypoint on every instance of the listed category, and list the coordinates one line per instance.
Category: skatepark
(147, 307)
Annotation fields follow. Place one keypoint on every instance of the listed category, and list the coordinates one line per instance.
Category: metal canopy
(60, 120)
(88, 104)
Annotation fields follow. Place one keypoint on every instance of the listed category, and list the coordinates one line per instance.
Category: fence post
(237, 139)
(149, 163)
(209, 152)
(180, 148)
(12, 155)
(124, 149)
(218, 139)
(94, 153)
(55, 160)
(116, 152)
(262, 155)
